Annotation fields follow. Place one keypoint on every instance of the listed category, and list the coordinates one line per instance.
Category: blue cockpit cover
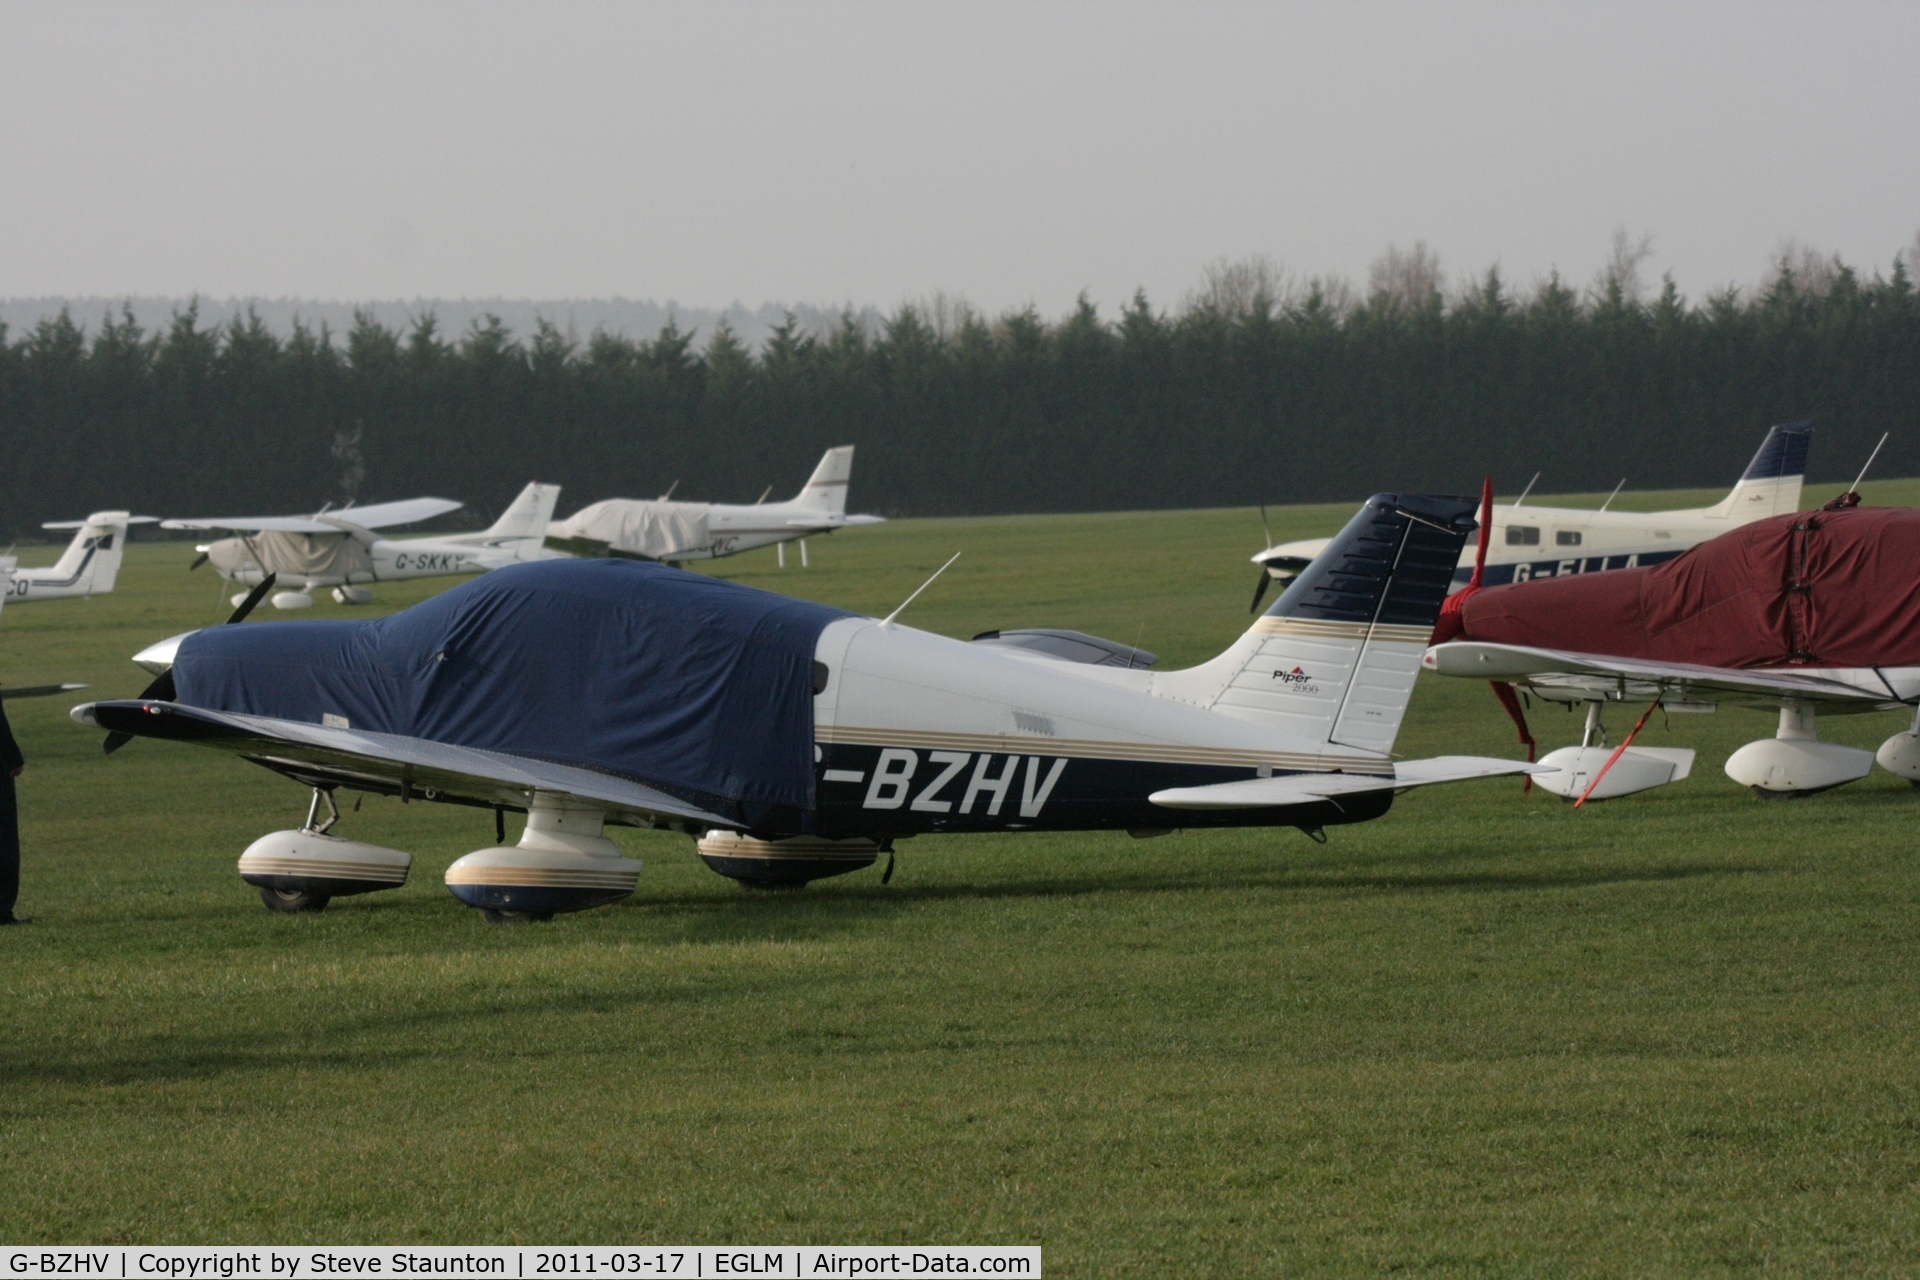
(694, 685)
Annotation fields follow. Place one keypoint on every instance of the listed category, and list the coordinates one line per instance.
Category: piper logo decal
(893, 777)
(1297, 681)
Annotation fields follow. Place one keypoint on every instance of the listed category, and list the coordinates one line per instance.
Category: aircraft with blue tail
(792, 740)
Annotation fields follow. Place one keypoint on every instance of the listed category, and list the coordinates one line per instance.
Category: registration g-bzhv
(795, 741)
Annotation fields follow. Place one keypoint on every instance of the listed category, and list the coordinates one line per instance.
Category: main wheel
(294, 900)
(492, 916)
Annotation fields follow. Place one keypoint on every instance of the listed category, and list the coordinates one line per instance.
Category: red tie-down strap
(1511, 701)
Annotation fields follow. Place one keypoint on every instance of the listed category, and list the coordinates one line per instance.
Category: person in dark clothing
(11, 763)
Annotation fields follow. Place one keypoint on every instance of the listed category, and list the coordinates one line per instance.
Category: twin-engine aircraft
(677, 531)
(1799, 614)
(1556, 542)
(795, 741)
(339, 548)
(87, 567)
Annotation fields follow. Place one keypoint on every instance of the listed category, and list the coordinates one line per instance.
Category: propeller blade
(162, 690)
(199, 560)
(253, 600)
(1486, 533)
(1263, 525)
(1260, 592)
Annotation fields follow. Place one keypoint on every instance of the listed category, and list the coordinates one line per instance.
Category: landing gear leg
(1595, 734)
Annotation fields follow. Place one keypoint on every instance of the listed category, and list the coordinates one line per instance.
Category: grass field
(1677, 1034)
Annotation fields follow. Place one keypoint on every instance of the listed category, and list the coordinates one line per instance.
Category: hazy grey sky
(879, 152)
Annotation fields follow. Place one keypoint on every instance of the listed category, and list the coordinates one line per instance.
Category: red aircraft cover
(1818, 588)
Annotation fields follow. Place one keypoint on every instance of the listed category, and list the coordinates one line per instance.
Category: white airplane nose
(158, 657)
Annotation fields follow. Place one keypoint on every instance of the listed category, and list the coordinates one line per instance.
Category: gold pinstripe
(544, 877)
(1149, 752)
(1322, 629)
(321, 868)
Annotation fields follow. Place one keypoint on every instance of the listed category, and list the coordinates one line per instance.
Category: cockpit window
(1523, 535)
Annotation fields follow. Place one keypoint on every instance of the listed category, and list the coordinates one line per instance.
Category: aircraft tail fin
(527, 518)
(826, 489)
(91, 562)
(1770, 486)
(1333, 661)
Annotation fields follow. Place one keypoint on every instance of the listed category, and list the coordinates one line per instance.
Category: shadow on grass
(390, 1038)
(758, 916)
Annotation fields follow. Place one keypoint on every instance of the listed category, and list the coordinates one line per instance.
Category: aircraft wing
(377, 516)
(253, 524)
(1552, 670)
(382, 514)
(37, 690)
(1308, 788)
(393, 765)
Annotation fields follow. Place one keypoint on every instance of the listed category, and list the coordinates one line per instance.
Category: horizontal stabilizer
(1308, 788)
(836, 522)
(100, 518)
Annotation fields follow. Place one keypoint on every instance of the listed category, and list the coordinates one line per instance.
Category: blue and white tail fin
(1770, 486)
(525, 521)
(1333, 661)
(826, 490)
(91, 562)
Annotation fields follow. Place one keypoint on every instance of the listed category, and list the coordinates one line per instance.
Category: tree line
(1256, 390)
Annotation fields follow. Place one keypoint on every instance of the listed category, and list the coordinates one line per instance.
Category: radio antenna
(1524, 492)
(1614, 494)
(1855, 486)
(888, 620)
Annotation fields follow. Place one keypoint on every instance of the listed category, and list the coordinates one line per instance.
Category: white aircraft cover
(310, 555)
(655, 529)
(378, 515)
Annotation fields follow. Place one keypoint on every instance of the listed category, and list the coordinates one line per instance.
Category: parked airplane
(1798, 614)
(340, 549)
(677, 531)
(1586, 541)
(792, 740)
(88, 567)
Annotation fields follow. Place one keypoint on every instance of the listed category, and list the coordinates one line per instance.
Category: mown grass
(1485, 1034)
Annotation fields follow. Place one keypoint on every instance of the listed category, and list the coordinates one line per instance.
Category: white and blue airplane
(1548, 542)
(792, 740)
(88, 567)
(338, 548)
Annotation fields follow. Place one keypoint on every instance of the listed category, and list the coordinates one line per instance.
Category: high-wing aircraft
(1549, 542)
(339, 548)
(792, 740)
(87, 567)
(677, 531)
(1800, 614)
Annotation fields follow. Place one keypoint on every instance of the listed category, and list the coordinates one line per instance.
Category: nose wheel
(294, 901)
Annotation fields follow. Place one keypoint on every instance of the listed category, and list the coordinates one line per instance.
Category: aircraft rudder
(1335, 657)
(527, 517)
(826, 488)
(1773, 480)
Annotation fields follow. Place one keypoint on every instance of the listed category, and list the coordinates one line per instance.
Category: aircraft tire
(491, 916)
(294, 901)
(1765, 794)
